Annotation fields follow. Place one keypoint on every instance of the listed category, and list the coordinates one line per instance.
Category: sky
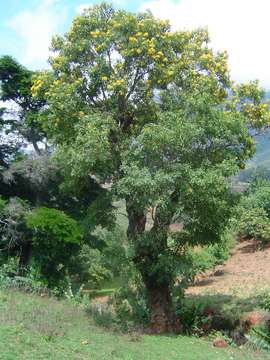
(238, 26)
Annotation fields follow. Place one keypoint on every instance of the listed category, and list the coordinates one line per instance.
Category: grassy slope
(32, 327)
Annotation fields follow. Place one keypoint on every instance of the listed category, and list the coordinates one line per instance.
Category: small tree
(153, 113)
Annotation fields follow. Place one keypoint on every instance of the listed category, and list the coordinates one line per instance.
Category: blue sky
(26, 26)
(238, 26)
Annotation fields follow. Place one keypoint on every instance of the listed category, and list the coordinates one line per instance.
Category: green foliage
(253, 213)
(258, 195)
(16, 82)
(55, 237)
(52, 226)
(102, 314)
(204, 314)
(196, 261)
(255, 223)
(264, 301)
(13, 230)
(259, 338)
(88, 267)
(11, 279)
(131, 308)
(194, 316)
(102, 258)
(2, 204)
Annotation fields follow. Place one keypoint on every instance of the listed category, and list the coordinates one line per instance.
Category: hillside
(262, 156)
(245, 274)
(33, 327)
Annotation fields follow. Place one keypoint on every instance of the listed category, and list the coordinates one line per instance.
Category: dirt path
(246, 272)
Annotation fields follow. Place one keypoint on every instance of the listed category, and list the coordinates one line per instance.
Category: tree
(19, 117)
(22, 118)
(153, 114)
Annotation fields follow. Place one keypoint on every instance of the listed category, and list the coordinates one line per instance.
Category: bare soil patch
(246, 272)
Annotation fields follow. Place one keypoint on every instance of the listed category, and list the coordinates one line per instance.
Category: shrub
(203, 315)
(252, 219)
(131, 307)
(196, 261)
(13, 231)
(55, 238)
(102, 259)
(88, 267)
(259, 338)
(196, 316)
(102, 314)
(9, 278)
(264, 301)
(255, 223)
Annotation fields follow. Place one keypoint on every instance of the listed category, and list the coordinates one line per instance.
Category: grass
(33, 327)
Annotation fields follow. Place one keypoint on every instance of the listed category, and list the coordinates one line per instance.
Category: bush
(9, 278)
(196, 261)
(203, 315)
(102, 259)
(55, 238)
(102, 314)
(264, 301)
(131, 307)
(14, 235)
(88, 267)
(252, 219)
(255, 223)
(193, 317)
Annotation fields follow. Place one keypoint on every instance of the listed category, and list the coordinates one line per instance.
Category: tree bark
(162, 313)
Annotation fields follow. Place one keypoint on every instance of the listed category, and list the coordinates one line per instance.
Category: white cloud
(80, 8)
(239, 26)
(36, 27)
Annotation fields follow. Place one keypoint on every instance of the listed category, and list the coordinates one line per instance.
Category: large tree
(154, 114)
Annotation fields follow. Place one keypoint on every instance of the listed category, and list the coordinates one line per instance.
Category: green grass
(33, 327)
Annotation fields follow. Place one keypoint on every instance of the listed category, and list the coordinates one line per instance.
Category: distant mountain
(262, 156)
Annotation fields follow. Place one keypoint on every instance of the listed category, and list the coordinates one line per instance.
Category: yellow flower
(84, 342)
(104, 78)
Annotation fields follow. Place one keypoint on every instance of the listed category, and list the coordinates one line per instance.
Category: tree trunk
(162, 313)
(25, 256)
